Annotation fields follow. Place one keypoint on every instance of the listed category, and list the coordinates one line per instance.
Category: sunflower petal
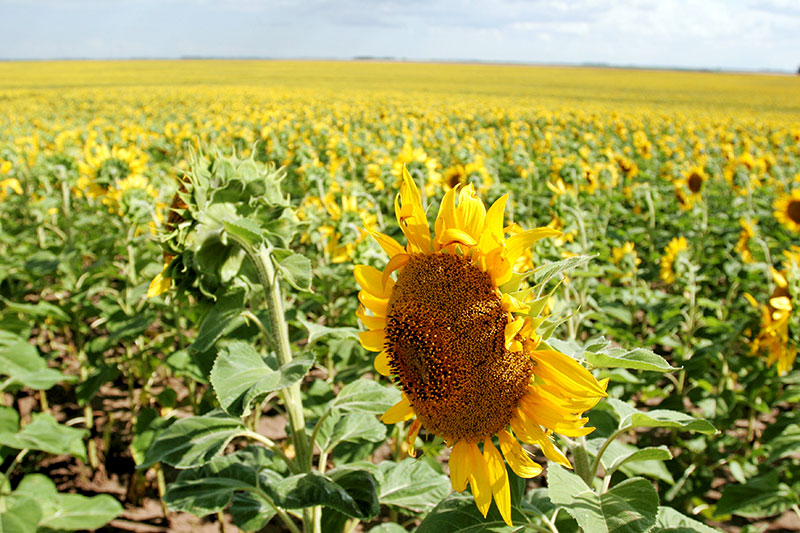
(382, 364)
(498, 480)
(388, 244)
(413, 431)
(459, 466)
(371, 322)
(517, 244)
(479, 479)
(399, 412)
(372, 280)
(373, 340)
(517, 457)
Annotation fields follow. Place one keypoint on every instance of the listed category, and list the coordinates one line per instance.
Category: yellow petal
(412, 437)
(371, 322)
(513, 305)
(394, 263)
(446, 217)
(399, 412)
(566, 371)
(498, 479)
(517, 244)
(161, 283)
(750, 299)
(373, 340)
(456, 236)
(512, 328)
(388, 244)
(411, 216)
(373, 303)
(382, 364)
(517, 457)
(479, 479)
(470, 212)
(459, 466)
(781, 302)
(371, 280)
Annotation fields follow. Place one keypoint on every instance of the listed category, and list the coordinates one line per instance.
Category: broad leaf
(317, 331)
(350, 428)
(241, 376)
(20, 361)
(22, 516)
(758, 498)
(658, 418)
(193, 441)
(245, 230)
(671, 521)
(365, 396)
(295, 268)
(67, 511)
(412, 485)
(629, 507)
(458, 514)
(223, 318)
(307, 490)
(47, 435)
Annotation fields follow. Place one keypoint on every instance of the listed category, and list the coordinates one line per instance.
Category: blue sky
(735, 34)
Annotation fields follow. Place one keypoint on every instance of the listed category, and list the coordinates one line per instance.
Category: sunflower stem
(581, 456)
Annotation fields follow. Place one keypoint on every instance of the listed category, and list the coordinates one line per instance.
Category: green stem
(602, 450)
(581, 456)
(16, 461)
(274, 447)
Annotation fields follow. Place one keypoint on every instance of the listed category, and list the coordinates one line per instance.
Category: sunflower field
(385, 297)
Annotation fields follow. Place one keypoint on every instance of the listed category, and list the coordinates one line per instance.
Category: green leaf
(47, 435)
(308, 490)
(546, 272)
(240, 376)
(317, 331)
(365, 396)
(250, 512)
(659, 453)
(9, 420)
(39, 309)
(350, 428)
(245, 230)
(67, 511)
(209, 489)
(458, 514)
(22, 516)
(295, 268)
(671, 521)
(21, 362)
(88, 387)
(758, 498)
(412, 485)
(630, 417)
(194, 441)
(388, 527)
(785, 444)
(223, 318)
(629, 507)
(639, 358)
(148, 426)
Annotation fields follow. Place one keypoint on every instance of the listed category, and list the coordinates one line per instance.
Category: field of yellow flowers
(199, 257)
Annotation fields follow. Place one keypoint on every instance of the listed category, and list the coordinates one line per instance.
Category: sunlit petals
(498, 479)
(372, 280)
(399, 412)
(411, 216)
(373, 303)
(470, 212)
(518, 458)
(517, 244)
(372, 340)
(387, 244)
(460, 459)
(512, 328)
(381, 364)
(479, 479)
(413, 431)
(566, 371)
(371, 322)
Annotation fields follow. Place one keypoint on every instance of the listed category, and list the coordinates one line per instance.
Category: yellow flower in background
(161, 283)
(773, 338)
(787, 210)
(9, 183)
(626, 256)
(469, 368)
(675, 246)
(748, 232)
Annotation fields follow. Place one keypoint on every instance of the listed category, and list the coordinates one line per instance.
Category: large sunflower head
(787, 210)
(465, 354)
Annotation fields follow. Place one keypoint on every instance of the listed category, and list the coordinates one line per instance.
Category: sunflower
(747, 233)
(774, 335)
(468, 364)
(787, 210)
(675, 246)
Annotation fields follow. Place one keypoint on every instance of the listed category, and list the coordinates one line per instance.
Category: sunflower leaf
(365, 396)
(412, 485)
(630, 417)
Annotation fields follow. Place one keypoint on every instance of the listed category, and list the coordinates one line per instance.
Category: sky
(731, 35)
